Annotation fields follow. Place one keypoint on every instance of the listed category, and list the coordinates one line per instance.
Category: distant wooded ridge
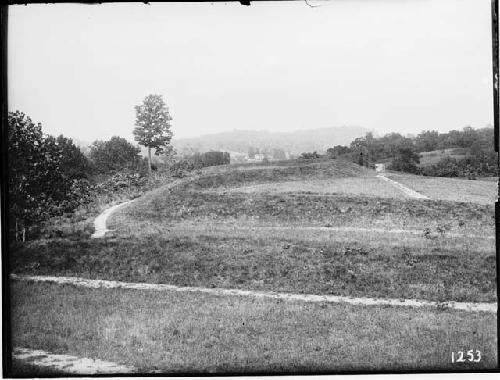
(292, 143)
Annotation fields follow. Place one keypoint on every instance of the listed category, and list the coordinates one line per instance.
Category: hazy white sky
(388, 65)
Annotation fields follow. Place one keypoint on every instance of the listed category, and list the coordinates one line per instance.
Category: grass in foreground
(200, 333)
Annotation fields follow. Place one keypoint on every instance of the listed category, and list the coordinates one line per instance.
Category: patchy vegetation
(304, 209)
(293, 170)
(440, 271)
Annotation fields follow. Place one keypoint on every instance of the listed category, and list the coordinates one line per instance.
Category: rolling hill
(292, 143)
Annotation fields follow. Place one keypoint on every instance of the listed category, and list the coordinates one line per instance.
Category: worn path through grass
(201, 333)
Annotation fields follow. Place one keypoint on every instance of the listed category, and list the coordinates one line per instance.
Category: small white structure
(380, 167)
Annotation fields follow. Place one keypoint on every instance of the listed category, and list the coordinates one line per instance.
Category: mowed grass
(293, 170)
(195, 333)
(364, 185)
(450, 189)
(305, 209)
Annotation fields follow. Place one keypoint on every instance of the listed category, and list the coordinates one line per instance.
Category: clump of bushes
(116, 154)
(470, 167)
(310, 155)
(122, 181)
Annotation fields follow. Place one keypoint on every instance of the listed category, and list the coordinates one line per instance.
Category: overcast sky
(388, 65)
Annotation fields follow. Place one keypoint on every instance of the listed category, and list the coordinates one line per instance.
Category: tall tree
(153, 125)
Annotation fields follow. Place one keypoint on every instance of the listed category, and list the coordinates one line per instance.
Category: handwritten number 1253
(470, 356)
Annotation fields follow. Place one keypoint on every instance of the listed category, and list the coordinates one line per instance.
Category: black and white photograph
(250, 188)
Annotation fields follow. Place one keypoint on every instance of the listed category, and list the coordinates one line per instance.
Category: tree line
(402, 153)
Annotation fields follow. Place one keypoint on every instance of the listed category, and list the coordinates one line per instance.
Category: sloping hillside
(433, 157)
(286, 171)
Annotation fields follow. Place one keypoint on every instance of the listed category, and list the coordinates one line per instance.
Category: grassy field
(295, 226)
(433, 157)
(200, 333)
(350, 186)
(282, 242)
(294, 171)
(451, 189)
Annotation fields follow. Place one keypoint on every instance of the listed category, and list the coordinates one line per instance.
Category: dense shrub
(310, 156)
(337, 151)
(471, 167)
(41, 181)
(405, 160)
(119, 181)
(114, 155)
(73, 163)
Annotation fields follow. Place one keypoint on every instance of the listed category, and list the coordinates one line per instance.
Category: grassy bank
(350, 186)
(296, 170)
(303, 209)
(200, 333)
(441, 269)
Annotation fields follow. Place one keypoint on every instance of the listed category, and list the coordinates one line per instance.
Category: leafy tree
(152, 125)
(337, 150)
(114, 154)
(73, 164)
(405, 159)
(38, 186)
(278, 154)
(427, 141)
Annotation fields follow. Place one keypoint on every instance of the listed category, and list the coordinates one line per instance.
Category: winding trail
(365, 301)
(69, 363)
(100, 221)
(403, 188)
